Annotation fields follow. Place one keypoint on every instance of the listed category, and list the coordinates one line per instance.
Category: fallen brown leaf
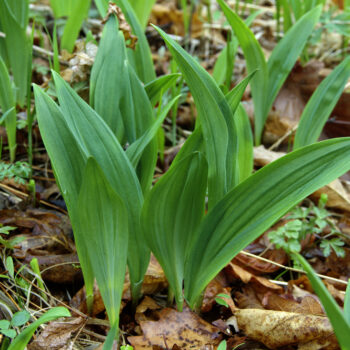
(56, 335)
(184, 329)
(279, 328)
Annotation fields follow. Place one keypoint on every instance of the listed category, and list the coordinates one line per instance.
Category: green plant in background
(19, 171)
(270, 75)
(309, 221)
(8, 106)
(16, 48)
(140, 58)
(321, 105)
(340, 319)
(76, 12)
(21, 339)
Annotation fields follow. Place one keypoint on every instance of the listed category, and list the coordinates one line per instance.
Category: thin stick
(291, 268)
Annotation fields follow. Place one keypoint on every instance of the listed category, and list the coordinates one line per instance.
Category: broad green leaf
(97, 140)
(156, 88)
(62, 8)
(255, 61)
(285, 54)
(142, 10)
(68, 162)
(244, 139)
(23, 338)
(321, 105)
(75, 20)
(102, 7)
(140, 110)
(7, 104)
(14, 20)
(109, 74)
(336, 317)
(104, 219)
(172, 212)
(245, 153)
(141, 56)
(135, 150)
(215, 118)
(258, 202)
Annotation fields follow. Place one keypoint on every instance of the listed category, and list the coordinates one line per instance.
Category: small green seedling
(20, 318)
(220, 299)
(308, 221)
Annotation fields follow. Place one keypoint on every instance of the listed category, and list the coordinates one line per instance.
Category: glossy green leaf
(140, 57)
(286, 53)
(75, 20)
(245, 144)
(104, 219)
(215, 117)
(334, 313)
(22, 339)
(156, 88)
(257, 203)
(172, 212)
(108, 74)
(321, 105)
(7, 104)
(68, 162)
(255, 61)
(98, 141)
(14, 20)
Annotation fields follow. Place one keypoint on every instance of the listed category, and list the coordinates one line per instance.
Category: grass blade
(334, 313)
(104, 219)
(321, 105)
(265, 196)
(172, 212)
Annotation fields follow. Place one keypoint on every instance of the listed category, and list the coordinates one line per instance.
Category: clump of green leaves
(19, 171)
(313, 220)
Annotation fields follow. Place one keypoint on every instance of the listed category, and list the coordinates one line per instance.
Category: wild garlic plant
(119, 218)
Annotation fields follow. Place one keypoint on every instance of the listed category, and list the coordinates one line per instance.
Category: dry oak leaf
(279, 328)
(246, 277)
(184, 329)
(56, 335)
